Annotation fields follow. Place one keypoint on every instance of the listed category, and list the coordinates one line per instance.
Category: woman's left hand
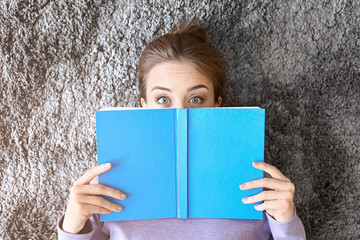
(279, 199)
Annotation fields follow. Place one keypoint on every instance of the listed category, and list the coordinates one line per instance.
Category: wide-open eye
(196, 100)
(163, 100)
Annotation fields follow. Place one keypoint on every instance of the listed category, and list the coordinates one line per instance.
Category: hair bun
(194, 30)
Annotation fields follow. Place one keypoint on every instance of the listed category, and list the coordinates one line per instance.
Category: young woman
(181, 70)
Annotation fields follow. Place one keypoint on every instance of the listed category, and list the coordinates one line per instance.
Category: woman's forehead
(175, 75)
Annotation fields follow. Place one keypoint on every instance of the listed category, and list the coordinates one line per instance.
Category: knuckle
(291, 187)
(104, 211)
(273, 169)
(266, 180)
(289, 195)
(102, 202)
(287, 179)
(74, 189)
(101, 210)
(76, 198)
(101, 188)
(265, 193)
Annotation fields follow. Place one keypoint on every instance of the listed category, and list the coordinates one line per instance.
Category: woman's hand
(278, 199)
(84, 200)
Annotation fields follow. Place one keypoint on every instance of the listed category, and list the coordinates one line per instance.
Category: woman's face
(177, 84)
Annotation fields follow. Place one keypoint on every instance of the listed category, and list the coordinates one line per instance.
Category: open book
(184, 163)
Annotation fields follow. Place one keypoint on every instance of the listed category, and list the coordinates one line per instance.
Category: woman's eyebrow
(196, 87)
(161, 88)
(189, 89)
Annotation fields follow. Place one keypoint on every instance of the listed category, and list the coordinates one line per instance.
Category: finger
(87, 209)
(99, 201)
(98, 189)
(280, 210)
(273, 171)
(267, 196)
(93, 172)
(270, 183)
(268, 205)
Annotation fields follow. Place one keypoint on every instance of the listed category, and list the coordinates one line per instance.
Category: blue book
(181, 163)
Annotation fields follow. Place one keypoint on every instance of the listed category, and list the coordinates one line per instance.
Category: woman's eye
(163, 100)
(196, 100)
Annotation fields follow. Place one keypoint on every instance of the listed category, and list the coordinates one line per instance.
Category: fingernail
(107, 165)
(245, 199)
(119, 208)
(122, 195)
(242, 186)
(256, 207)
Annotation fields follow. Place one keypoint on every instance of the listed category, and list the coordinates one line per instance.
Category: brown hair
(189, 43)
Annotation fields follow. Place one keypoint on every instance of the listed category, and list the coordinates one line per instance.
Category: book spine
(182, 162)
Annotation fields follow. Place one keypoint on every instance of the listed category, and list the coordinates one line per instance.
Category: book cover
(185, 163)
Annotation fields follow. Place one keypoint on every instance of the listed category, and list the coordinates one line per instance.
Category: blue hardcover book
(181, 163)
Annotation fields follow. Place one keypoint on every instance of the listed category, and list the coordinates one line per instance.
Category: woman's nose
(180, 105)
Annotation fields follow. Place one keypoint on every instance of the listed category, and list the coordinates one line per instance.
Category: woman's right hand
(84, 200)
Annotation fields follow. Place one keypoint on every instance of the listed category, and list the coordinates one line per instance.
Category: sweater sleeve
(92, 229)
(293, 229)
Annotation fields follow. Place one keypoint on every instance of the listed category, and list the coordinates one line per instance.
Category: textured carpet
(62, 60)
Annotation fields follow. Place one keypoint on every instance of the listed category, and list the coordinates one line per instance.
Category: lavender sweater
(192, 228)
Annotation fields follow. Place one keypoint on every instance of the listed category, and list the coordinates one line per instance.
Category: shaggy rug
(62, 60)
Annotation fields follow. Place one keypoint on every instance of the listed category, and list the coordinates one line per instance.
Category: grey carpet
(62, 60)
